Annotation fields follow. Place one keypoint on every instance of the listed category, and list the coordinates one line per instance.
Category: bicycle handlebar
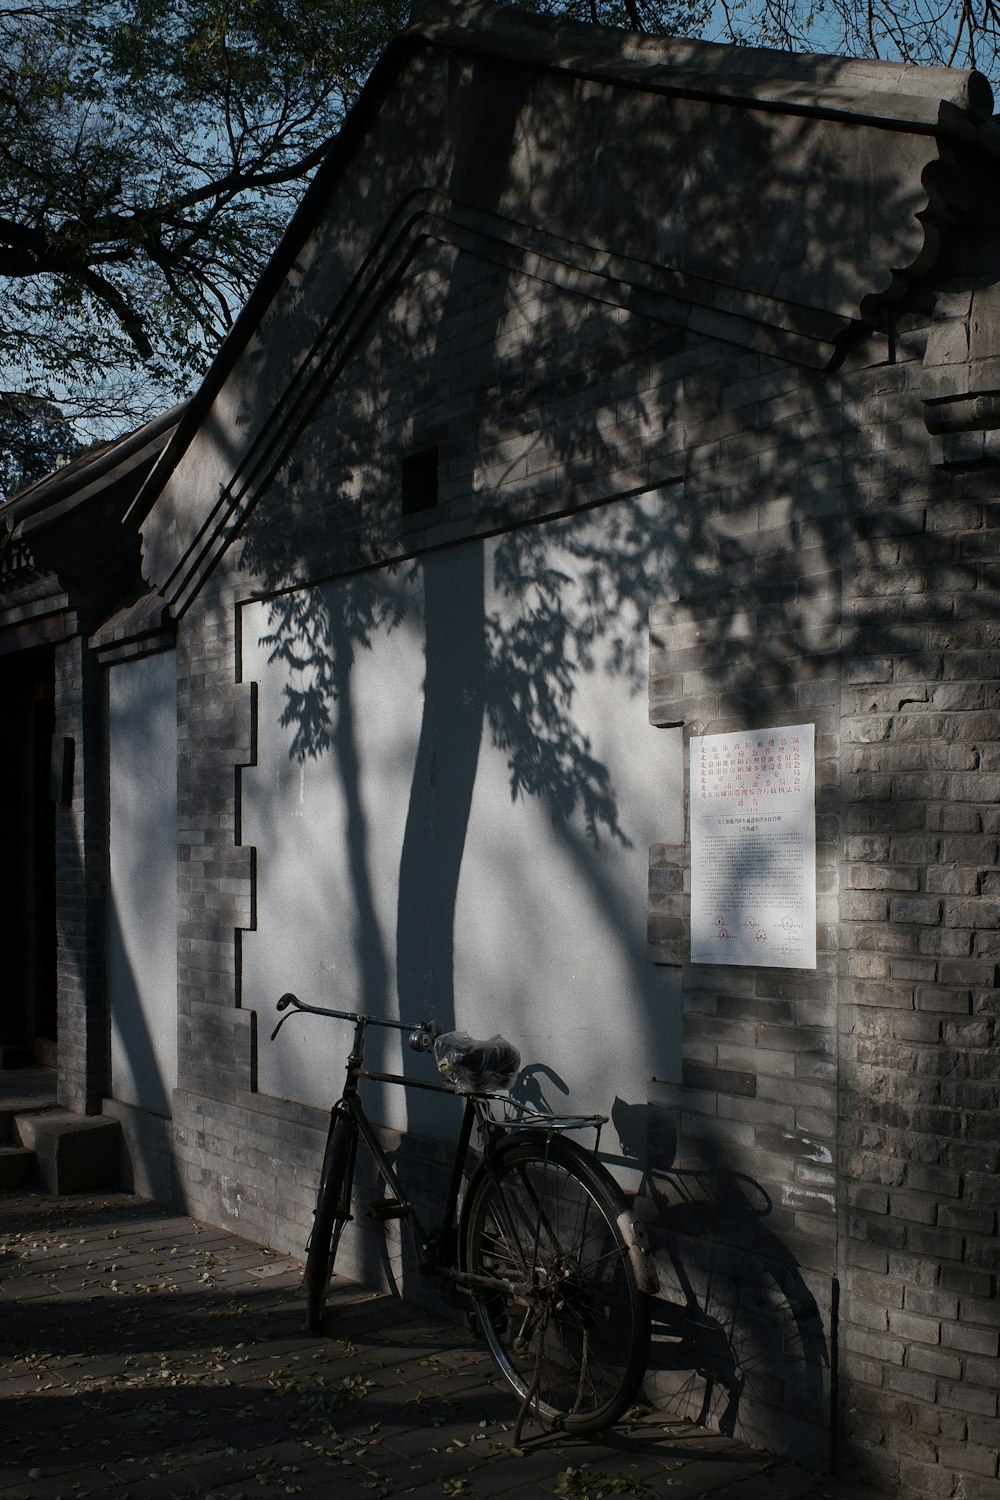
(421, 1036)
(422, 1039)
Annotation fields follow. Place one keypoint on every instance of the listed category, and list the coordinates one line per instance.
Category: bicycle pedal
(388, 1208)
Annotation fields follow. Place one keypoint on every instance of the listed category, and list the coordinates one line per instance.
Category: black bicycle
(543, 1242)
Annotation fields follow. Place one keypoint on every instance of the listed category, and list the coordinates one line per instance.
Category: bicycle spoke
(543, 1251)
(581, 1354)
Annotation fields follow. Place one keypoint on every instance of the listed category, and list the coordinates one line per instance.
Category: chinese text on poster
(753, 848)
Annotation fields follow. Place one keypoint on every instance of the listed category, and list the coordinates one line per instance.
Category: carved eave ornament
(771, 201)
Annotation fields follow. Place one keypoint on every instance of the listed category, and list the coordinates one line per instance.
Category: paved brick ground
(144, 1356)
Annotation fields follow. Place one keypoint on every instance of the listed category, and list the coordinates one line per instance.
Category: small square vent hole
(420, 482)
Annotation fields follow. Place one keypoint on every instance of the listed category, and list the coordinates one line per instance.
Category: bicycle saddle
(475, 1066)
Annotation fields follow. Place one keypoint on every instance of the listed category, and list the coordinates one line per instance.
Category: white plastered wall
(142, 898)
(549, 921)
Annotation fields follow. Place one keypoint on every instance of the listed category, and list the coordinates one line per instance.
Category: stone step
(73, 1153)
(21, 1091)
(8, 1122)
(17, 1167)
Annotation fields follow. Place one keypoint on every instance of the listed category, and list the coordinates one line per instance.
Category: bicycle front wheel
(561, 1310)
(332, 1213)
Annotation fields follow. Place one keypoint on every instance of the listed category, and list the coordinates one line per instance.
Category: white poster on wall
(753, 848)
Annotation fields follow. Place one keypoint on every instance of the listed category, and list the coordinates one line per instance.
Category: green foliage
(35, 438)
(151, 155)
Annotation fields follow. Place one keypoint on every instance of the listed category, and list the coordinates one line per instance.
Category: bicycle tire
(574, 1347)
(331, 1214)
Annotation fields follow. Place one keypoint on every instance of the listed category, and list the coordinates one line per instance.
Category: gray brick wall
(886, 1058)
(919, 1102)
(81, 842)
(825, 573)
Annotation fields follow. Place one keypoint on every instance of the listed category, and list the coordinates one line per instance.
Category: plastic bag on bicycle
(474, 1066)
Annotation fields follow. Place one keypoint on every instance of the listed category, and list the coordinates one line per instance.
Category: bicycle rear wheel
(333, 1211)
(564, 1320)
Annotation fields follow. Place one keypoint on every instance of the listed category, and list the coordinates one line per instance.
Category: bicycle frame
(543, 1244)
(432, 1248)
(428, 1247)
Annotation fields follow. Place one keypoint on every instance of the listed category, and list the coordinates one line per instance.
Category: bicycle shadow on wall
(739, 1344)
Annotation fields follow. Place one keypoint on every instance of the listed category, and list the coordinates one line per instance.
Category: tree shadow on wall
(520, 674)
(507, 651)
(575, 400)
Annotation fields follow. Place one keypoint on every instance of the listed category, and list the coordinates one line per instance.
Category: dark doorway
(27, 858)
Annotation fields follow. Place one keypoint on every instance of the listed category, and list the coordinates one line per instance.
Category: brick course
(914, 1035)
(83, 1022)
(834, 565)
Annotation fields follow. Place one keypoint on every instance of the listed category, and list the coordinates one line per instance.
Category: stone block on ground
(74, 1153)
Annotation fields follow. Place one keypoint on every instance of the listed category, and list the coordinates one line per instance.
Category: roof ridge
(761, 75)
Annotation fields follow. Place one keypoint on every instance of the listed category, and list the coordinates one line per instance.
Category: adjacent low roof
(73, 519)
